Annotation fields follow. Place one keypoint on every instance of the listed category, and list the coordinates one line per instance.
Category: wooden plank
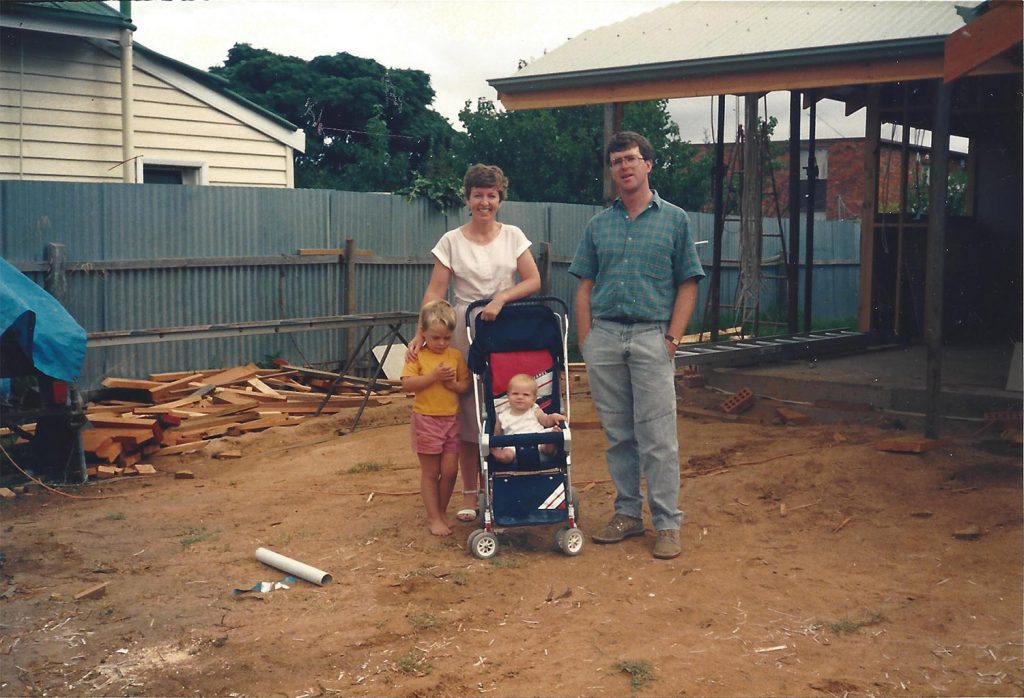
(262, 387)
(310, 251)
(93, 439)
(109, 451)
(169, 406)
(881, 70)
(119, 407)
(133, 438)
(129, 383)
(234, 398)
(179, 449)
(99, 419)
(288, 384)
(164, 389)
(175, 375)
(330, 408)
(204, 423)
(910, 445)
(252, 395)
(275, 420)
(997, 30)
(232, 375)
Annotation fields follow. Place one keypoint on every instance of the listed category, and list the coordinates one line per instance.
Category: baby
(524, 416)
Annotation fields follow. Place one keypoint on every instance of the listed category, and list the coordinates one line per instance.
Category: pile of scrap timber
(133, 421)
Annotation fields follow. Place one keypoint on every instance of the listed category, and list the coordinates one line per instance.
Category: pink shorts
(432, 434)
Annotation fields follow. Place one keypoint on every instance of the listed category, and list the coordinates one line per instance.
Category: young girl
(523, 416)
(438, 375)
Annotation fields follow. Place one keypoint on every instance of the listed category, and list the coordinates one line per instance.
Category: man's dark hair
(624, 140)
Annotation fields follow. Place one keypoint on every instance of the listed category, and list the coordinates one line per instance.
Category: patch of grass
(420, 572)
(505, 563)
(846, 626)
(369, 467)
(414, 662)
(197, 534)
(283, 540)
(640, 672)
(115, 516)
(423, 621)
(460, 578)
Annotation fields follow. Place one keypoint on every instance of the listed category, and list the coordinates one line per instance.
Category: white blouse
(481, 271)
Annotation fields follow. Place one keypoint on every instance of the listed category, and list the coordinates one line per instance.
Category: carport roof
(698, 48)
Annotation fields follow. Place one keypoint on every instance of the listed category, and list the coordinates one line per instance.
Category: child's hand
(444, 374)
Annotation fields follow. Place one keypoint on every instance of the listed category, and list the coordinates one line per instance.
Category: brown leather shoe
(618, 529)
(667, 546)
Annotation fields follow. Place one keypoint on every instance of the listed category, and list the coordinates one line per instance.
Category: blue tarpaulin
(43, 329)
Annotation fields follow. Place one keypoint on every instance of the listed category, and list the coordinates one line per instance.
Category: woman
(481, 259)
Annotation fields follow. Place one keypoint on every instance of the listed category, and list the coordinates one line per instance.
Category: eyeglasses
(627, 160)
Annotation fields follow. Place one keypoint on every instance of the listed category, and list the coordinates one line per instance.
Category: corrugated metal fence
(147, 256)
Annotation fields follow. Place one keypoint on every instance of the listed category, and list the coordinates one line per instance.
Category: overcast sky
(459, 43)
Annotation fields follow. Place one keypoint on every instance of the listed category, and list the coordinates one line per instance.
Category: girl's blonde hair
(437, 313)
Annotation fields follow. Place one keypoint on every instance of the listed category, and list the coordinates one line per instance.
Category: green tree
(368, 128)
(557, 154)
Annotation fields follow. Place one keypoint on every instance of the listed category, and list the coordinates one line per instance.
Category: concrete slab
(890, 378)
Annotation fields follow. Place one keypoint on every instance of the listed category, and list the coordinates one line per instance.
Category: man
(638, 271)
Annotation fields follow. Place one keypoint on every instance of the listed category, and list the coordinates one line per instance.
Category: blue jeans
(632, 383)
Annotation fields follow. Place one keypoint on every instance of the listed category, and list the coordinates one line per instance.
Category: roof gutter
(760, 62)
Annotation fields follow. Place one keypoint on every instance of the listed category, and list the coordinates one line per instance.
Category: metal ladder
(733, 194)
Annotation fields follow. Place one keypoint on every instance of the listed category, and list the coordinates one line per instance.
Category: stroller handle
(529, 300)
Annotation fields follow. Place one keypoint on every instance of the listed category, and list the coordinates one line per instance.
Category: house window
(153, 171)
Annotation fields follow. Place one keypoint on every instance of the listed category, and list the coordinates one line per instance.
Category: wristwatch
(675, 342)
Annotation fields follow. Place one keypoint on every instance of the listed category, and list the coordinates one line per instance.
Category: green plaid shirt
(636, 265)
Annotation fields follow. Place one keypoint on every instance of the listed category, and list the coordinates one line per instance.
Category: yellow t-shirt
(437, 400)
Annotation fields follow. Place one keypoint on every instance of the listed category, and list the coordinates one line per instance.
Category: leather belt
(624, 320)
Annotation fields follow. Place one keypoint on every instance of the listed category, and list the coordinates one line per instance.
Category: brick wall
(845, 184)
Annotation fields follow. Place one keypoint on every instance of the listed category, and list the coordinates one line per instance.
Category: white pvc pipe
(293, 567)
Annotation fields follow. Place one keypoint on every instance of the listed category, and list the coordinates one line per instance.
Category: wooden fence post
(545, 268)
(56, 281)
(350, 294)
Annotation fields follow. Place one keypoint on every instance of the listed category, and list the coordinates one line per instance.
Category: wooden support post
(56, 280)
(935, 257)
(872, 136)
(718, 187)
(545, 268)
(812, 183)
(612, 124)
(350, 294)
(793, 273)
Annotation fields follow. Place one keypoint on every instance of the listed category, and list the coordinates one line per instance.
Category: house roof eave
(753, 64)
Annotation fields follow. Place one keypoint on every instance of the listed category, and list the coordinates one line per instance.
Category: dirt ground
(813, 565)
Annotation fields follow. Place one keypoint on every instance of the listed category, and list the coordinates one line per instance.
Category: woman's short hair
(485, 177)
(624, 140)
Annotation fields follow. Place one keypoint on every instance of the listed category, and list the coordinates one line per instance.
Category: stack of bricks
(692, 378)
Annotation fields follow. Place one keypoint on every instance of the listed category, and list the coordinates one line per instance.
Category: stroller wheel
(569, 540)
(482, 544)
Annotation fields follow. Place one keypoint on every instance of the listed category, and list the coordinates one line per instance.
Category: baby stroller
(536, 489)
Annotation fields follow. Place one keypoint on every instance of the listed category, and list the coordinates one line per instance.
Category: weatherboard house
(80, 101)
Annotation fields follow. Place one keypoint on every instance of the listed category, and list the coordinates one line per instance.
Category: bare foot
(439, 528)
